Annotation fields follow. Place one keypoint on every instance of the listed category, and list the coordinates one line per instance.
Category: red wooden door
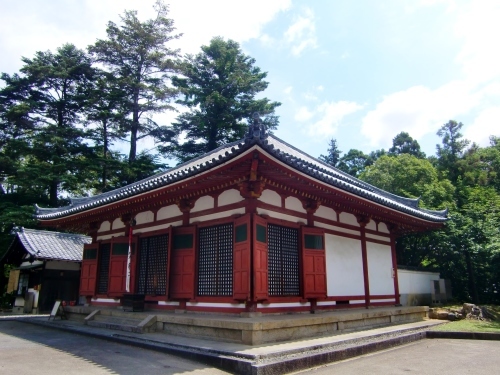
(260, 269)
(313, 262)
(118, 266)
(241, 258)
(88, 272)
(182, 265)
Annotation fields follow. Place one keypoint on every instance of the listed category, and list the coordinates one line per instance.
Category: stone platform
(254, 330)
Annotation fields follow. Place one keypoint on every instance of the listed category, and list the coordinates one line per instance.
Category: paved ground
(430, 356)
(29, 349)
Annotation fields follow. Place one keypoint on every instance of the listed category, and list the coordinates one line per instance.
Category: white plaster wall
(203, 203)
(379, 268)
(326, 213)
(383, 228)
(229, 197)
(277, 215)
(371, 225)
(218, 215)
(168, 212)
(338, 229)
(144, 217)
(63, 266)
(158, 227)
(416, 282)
(108, 236)
(348, 219)
(270, 197)
(381, 238)
(117, 224)
(105, 226)
(344, 266)
(295, 204)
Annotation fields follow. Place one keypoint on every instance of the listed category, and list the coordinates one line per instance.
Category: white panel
(168, 212)
(348, 219)
(168, 303)
(416, 282)
(144, 217)
(288, 304)
(105, 226)
(371, 225)
(326, 212)
(293, 203)
(379, 268)
(383, 228)
(270, 197)
(157, 227)
(344, 266)
(228, 197)
(108, 300)
(277, 215)
(203, 203)
(63, 266)
(218, 215)
(212, 304)
(369, 235)
(108, 236)
(338, 229)
(117, 224)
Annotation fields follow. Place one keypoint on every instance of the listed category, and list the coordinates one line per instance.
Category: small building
(253, 226)
(46, 267)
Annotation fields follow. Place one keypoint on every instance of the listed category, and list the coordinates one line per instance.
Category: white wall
(344, 266)
(415, 282)
(379, 268)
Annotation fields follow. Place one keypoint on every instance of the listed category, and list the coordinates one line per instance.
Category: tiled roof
(272, 145)
(43, 244)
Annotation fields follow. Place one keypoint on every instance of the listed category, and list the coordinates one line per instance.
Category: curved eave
(224, 155)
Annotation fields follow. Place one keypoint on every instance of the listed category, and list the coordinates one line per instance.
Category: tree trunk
(54, 184)
(134, 128)
(105, 154)
(471, 279)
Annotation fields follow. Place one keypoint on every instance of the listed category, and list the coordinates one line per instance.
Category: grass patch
(469, 325)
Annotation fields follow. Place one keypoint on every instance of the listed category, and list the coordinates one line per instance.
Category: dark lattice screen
(104, 253)
(153, 253)
(283, 261)
(215, 261)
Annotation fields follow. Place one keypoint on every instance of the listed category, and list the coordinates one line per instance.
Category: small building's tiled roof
(272, 145)
(44, 244)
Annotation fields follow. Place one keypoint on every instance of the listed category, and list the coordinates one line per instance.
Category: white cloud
(328, 116)
(422, 110)
(486, 124)
(418, 111)
(302, 33)
(288, 90)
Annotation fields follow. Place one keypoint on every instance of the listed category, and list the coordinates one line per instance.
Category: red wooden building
(256, 225)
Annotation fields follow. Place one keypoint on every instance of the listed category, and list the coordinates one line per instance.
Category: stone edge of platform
(287, 361)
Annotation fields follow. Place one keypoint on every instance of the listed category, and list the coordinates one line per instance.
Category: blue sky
(357, 71)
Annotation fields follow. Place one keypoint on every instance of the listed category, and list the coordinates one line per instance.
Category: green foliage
(333, 155)
(219, 86)
(404, 144)
(138, 57)
(354, 162)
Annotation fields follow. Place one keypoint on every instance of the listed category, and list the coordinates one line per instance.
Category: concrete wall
(415, 287)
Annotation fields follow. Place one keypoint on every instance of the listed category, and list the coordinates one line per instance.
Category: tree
(42, 108)
(219, 86)
(408, 176)
(138, 57)
(333, 155)
(404, 144)
(452, 149)
(354, 162)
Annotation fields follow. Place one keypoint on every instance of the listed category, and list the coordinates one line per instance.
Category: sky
(357, 71)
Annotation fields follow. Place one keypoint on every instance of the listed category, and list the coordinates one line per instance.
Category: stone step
(121, 323)
(115, 326)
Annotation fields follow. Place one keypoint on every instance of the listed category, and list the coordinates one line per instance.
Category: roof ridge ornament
(257, 130)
